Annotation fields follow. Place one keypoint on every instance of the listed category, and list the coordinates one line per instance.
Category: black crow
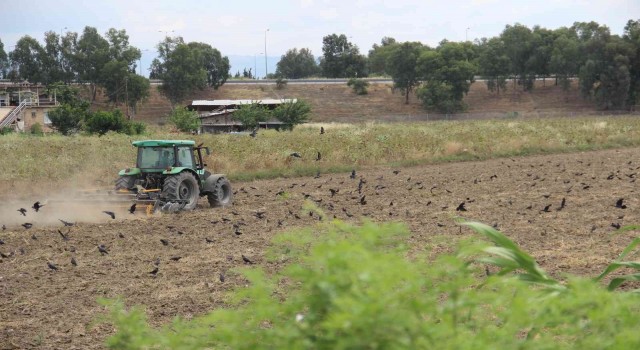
(23, 211)
(164, 242)
(246, 260)
(620, 205)
(102, 249)
(110, 213)
(321, 130)
(27, 225)
(74, 262)
(318, 157)
(461, 207)
(353, 174)
(154, 271)
(295, 155)
(36, 206)
(175, 258)
(65, 223)
(64, 237)
(52, 266)
(222, 277)
(132, 209)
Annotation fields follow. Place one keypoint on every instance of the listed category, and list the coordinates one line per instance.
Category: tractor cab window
(185, 157)
(155, 157)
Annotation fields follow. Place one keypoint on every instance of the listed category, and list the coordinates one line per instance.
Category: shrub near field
(55, 158)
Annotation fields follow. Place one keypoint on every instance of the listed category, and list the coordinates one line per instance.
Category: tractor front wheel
(182, 187)
(221, 195)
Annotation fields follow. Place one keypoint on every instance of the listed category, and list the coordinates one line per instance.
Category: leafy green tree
(91, 55)
(341, 58)
(184, 120)
(72, 112)
(449, 72)
(632, 37)
(4, 62)
(518, 44)
(542, 46)
(185, 68)
(493, 64)
(292, 113)
(251, 115)
(296, 64)
(605, 76)
(402, 64)
(565, 57)
(379, 55)
(26, 59)
(68, 47)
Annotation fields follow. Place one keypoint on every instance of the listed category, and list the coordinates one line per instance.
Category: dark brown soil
(50, 309)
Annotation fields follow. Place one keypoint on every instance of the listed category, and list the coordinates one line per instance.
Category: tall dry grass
(83, 160)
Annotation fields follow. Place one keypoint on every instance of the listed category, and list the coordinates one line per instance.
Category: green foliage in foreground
(349, 287)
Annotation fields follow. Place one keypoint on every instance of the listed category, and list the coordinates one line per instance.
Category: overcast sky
(237, 28)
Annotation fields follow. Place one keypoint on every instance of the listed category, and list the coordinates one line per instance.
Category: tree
(402, 64)
(25, 59)
(341, 59)
(251, 115)
(379, 54)
(91, 55)
(292, 113)
(296, 64)
(184, 120)
(493, 64)
(4, 61)
(632, 37)
(69, 116)
(605, 76)
(185, 68)
(518, 41)
(565, 57)
(449, 72)
(542, 45)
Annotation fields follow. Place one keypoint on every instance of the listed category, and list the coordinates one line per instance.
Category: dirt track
(50, 309)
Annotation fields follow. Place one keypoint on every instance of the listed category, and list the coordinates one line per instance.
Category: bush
(136, 128)
(6, 130)
(251, 115)
(36, 129)
(102, 122)
(292, 113)
(352, 287)
(67, 118)
(441, 97)
(281, 83)
(184, 120)
(359, 86)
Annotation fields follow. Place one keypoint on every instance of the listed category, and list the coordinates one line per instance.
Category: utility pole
(266, 70)
(466, 34)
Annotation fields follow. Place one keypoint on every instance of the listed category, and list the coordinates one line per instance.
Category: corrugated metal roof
(239, 102)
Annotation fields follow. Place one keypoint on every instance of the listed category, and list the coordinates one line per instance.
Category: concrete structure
(22, 105)
(217, 115)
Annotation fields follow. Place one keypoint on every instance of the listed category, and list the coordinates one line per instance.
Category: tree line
(607, 66)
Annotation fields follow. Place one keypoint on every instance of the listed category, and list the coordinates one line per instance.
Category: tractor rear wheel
(221, 195)
(182, 186)
(125, 182)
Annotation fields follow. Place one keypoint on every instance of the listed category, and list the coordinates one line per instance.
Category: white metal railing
(11, 117)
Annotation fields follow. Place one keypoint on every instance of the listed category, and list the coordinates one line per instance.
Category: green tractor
(170, 175)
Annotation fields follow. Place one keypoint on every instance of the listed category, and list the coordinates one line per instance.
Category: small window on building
(47, 121)
(33, 114)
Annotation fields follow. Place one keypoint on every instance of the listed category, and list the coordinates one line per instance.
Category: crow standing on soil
(295, 155)
(27, 225)
(461, 207)
(318, 157)
(620, 205)
(132, 209)
(102, 249)
(52, 266)
(546, 208)
(4, 227)
(246, 260)
(23, 211)
(154, 271)
(562, 204)
(36, 206)
(73, 261)
(164, 242)
(363, 201)
(222, 277)
(353, 174)
(321, 130)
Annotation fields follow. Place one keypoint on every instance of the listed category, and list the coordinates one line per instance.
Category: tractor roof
(163, 143)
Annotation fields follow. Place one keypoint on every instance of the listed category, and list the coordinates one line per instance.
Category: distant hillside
(338, 103)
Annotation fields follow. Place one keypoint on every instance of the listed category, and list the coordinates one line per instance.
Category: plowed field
(559, 208)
